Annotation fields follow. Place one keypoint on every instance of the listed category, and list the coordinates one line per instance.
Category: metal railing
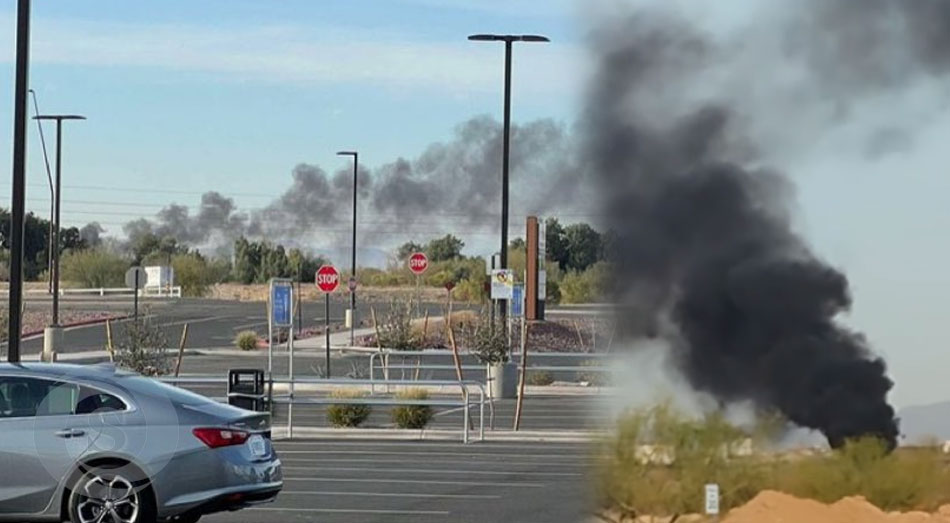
(157, 292)
(382, 356)
(291, 398)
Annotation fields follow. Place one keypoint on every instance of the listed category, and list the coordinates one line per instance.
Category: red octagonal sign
(418, 263)
(328, 278)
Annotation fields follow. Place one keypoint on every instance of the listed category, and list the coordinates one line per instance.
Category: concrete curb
(550, 436)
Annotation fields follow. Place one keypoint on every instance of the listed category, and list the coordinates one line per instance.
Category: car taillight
(216, 438)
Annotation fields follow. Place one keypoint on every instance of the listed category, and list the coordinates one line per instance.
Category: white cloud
(292, 53)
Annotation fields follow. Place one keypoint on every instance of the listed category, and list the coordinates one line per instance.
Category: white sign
(712, 499)
(160, 276)
(542, 243)
(542, 284)
(502, 282)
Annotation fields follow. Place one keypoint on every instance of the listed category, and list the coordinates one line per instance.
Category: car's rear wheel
(111, 494)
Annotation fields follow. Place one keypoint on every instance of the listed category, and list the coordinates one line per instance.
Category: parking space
(393, 482)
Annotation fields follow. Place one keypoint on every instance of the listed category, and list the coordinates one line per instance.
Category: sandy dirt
(776, 507)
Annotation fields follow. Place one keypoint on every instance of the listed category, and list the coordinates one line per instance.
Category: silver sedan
(90, 444)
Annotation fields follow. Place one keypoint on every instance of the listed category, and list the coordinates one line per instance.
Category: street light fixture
(356, 161)
(59, 118)
(508, 40)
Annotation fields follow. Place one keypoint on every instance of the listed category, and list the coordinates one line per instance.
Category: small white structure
(946, 447)
(161, 280)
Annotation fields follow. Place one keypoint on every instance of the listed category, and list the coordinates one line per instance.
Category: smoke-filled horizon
(452, 184)
(683, 129)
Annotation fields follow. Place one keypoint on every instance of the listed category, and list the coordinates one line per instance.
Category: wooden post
(376, 327)
(425, 327)
(109, 347)
(458, 362)
(524, 372)
(181, 348)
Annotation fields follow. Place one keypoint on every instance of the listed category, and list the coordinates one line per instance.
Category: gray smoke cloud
(457, 182)
(707, 256)
(91, 233)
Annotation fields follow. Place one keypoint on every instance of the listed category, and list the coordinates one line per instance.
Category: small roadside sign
(281, 303)
(502, 280)
(327, 278)
(449, 285)
(418, 263)
(351, 284)
(136, 283)
(517, 301)
(712, 499)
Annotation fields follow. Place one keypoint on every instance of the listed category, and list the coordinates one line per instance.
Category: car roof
(69, 370)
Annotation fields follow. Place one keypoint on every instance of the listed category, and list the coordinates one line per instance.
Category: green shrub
(487, 339)
(192, 274)
(246, 340)
(412, 416)
(541, 378)
(345, 414)
(471, 290)
(93, 268)
(587, 286)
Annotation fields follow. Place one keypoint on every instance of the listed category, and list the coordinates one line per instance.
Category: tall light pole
(53, 332)
(52, 193)
(18, 196)
(509, 40)
(356, 161)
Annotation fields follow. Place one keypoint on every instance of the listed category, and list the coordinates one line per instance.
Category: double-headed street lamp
(59, 118)
(356, 161)
(508, 40)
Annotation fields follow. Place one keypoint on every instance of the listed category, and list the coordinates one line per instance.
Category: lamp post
(509, 40)
(52, 193)
(356, 161)
(18, 196)
(52, 334)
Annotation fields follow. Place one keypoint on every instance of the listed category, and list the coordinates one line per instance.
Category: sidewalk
(337, 339)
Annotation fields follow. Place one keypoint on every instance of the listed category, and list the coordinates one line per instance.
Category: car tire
(120, 489)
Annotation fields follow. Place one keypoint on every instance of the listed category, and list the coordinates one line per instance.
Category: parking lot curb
(526, 436)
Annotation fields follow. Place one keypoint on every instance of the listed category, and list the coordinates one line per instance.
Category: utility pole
(52, 194)
(356, 161)
(18, 206)
(509, 40)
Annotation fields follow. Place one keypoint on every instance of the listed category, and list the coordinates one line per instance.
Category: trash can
(246, 389)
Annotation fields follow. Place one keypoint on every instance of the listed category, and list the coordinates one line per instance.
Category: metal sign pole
(136, 299)
(327, 325)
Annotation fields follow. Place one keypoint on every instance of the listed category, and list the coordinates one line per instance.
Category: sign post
(280, 314)
(327, 279)
(712, 501)
(136, 279)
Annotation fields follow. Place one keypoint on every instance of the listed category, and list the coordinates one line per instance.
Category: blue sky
(186, 96)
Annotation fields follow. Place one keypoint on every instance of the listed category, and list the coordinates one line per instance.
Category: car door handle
(70, 433)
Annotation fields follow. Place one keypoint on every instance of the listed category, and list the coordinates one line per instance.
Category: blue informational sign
(517, 301)
(281, 303)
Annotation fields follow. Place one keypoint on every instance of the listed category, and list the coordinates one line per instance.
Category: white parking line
(385, 494)
(427, 454)
(288, 461)
(356, 511)
(431, 471)
(417, 445)
(419, 482)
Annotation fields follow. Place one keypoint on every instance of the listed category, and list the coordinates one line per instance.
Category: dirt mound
(776, 507)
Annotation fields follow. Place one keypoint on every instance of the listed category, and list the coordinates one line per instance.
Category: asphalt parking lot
(392, 482)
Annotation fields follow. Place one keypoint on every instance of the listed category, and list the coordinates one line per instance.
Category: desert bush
(412, 416)
(587, 286)
(658, 461)
(396, 331)
(595, 378)
(142, 348)
(471, 290)
(541, 378)
(192, 273)
(487, 339)
(93, 268)
(246, 340)
(346, 414)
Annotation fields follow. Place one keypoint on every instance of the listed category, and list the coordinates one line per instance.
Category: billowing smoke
(91, 234)
(708, 257)
(454, 183)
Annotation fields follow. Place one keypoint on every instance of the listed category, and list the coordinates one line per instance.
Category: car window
(148, 386)
(27, 397)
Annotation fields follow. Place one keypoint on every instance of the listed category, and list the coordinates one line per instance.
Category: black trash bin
(246, 389)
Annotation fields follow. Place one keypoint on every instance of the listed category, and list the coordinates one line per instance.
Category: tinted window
(25, 397)
(21, 397)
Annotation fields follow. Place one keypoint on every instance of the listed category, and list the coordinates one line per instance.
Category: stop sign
(328, 278)
(418, 263)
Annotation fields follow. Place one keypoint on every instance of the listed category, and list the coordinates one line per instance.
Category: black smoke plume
(707, 256)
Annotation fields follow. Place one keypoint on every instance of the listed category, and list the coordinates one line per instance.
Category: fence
(291, 398)
(382, 357)
(148, 292)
